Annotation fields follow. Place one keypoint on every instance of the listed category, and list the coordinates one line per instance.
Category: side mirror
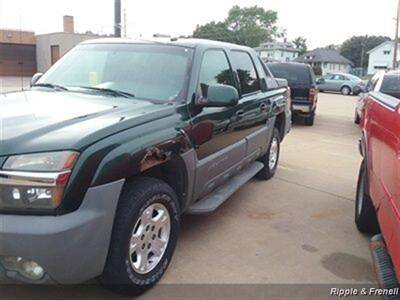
(321, 81)
(218, 95)
(35, 78)
(282, 83)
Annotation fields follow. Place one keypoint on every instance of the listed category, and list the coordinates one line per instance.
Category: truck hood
(36, 120)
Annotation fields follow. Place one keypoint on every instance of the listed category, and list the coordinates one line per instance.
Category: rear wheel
(346, 90)
(271, 158)
(365, 214)
(144, 237)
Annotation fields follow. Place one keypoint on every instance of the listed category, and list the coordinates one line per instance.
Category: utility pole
(396, 38)
(117, 18)
(125, 22)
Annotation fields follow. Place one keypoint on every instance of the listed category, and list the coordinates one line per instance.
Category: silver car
(339, 82)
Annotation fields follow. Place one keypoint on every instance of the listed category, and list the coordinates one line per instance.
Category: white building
(381, 57)
(329, 60)
(277, 51)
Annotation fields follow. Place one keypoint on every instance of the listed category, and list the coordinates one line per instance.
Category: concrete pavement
(294, 229)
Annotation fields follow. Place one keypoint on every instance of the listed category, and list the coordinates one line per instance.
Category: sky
(322, 22)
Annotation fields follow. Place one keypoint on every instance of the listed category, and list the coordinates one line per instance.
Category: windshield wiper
(109, 91)
(51, 86)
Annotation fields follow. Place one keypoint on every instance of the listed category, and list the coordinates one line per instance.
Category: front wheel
(271, 158)
(365, 214)
(144, 237)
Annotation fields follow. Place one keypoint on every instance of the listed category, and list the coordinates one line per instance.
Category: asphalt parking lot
(11, 84)
(295, 229)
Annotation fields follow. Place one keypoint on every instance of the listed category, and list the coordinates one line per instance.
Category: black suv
(304, 91)
(99, 160)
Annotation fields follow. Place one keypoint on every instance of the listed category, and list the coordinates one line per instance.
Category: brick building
(17, 53)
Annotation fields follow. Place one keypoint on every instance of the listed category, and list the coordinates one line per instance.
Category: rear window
(294, 74)
(391, 85)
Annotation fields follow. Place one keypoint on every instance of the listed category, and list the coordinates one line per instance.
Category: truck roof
(184, 42)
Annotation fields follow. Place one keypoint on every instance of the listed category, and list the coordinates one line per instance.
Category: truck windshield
(152, 72)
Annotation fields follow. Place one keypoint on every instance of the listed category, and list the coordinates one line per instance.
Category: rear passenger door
(254, 104)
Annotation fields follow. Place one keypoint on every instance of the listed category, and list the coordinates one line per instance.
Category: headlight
(35, 181)
(46, 162)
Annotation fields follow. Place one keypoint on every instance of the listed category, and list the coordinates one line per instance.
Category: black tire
(356, 118)
(119, 274)
(345, 90)
(267, 172)
(365, 214)
(309, 121)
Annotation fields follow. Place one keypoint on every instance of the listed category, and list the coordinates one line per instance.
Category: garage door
(17, 60)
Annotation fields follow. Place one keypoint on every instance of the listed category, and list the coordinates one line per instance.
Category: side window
(270, 80)
(215, 69)
(243, 64)
(372, 83)
(264, 67)
(337, 77)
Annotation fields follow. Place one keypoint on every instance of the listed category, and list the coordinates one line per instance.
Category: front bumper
(71, 248)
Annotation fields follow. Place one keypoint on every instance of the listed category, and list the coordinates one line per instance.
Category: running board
(384, 267)
(212, 201)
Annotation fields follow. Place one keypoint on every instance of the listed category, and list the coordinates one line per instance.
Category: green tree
(214, 31)
(356, 48)
(317, 70)
(248, 26)
(301, 44)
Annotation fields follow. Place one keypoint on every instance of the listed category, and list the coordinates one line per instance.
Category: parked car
(378, 196)
(116, 141)
(359, 87)
(339, 82)
(304, 92)
(386, 87)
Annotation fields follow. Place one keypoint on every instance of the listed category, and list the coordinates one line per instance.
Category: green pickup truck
(105, 152)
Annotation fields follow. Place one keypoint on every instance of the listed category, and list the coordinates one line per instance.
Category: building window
(386, 52)
(55, 53)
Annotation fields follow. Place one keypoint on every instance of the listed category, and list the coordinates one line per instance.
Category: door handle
(263, 106)
(240, 114)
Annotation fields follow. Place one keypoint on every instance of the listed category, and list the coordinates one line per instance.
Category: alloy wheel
(150, 238)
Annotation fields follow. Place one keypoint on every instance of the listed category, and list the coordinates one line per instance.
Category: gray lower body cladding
(71, 248)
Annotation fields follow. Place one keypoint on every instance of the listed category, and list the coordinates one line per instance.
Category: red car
(378, 189)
